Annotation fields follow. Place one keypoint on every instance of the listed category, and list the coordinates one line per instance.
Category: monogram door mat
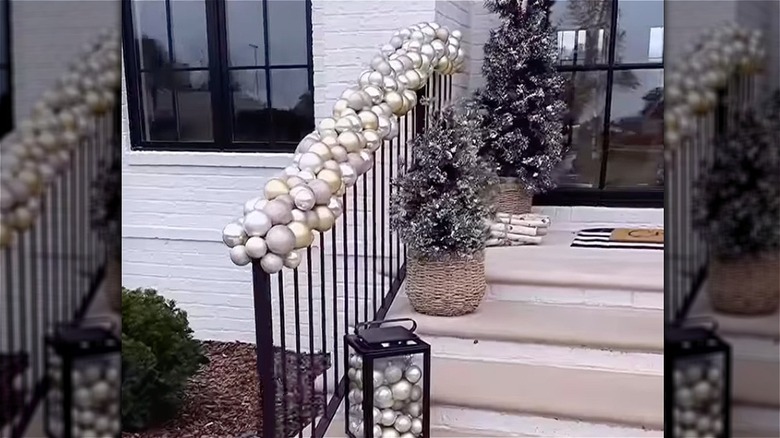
(627, 238)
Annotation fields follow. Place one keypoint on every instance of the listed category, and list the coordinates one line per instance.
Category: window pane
(640, 31)
(251, 120)
(151, 31)
(583, 30)
(586, 99)
(287, 32)
(157, 108)
(293, 104)
(636, 139)
(245, 32)
(193, 99)
(188, 24)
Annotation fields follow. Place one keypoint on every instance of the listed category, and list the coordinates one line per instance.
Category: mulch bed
(223, 399)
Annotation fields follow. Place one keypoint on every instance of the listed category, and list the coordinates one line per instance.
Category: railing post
(264, 336)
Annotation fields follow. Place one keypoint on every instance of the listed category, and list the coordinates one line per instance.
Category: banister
(34, 154)
(306, 196)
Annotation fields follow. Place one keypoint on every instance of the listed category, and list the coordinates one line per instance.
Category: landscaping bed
(222, 400)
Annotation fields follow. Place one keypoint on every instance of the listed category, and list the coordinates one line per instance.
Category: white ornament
(271, 263)
(256, 247)
(389, 432)
(280, 240)
(101, 391)
(292, 260)
(257, 223)
(239, 256)
(233, 234)
(417, 426)
(393, 374)
(277, 211)
(403, 423)
(401, 390)
(413, 374)
(416, 393)
(383, 397)
(388, 417)
(414, 409)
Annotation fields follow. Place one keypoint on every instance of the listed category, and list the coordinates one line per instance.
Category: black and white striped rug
(602, 238)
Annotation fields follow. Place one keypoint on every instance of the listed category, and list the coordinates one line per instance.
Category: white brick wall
(46, 35)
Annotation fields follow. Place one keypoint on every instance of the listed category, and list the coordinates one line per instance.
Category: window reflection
(583, 30)
(636, 132)
(640, 31)
(188, 33)
(251, 116)
(293, 103)
(246, 44)
(287, 32)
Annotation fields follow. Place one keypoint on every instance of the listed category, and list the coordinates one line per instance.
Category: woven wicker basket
(749, 286)
(446, 288)
(512, 197)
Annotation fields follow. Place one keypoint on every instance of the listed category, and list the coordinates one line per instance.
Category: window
(611, 53)
(218, 75)
(6, 98)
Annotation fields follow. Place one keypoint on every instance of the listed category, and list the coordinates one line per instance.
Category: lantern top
(87, 339)
(698, 336)
(377, 338)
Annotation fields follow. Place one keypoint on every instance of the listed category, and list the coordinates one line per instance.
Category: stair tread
(766, 326)
(609, 328)
(756, 368)
(555, 263)
(755, 422)
(583, 394)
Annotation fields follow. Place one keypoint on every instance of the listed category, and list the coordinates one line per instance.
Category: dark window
(611, 53)
(6, 98)
(218, 75)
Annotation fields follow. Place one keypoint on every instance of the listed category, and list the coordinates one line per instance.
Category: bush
(159, 355)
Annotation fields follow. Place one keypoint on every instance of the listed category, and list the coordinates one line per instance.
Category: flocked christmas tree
(523, 94)
(440, 206)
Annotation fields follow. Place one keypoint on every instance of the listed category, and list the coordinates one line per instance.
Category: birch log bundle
(517, 229)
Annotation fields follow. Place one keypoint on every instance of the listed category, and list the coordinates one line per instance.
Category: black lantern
(388, 370)
(84, 370)
(698, 366)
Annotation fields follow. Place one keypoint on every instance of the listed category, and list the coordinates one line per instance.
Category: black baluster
(373, 237)
(335, 265)
(356, 256)
(323, 322)
(264, 349)
(298, 410)
(312, 400)
(282, 356)
(365, 247)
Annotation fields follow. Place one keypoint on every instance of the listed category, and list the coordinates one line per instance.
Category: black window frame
(219, 70)
(7, 107)
(602, 196)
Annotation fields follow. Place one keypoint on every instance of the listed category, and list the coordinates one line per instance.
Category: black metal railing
(687, 257)
(49, 273)
(351, 274)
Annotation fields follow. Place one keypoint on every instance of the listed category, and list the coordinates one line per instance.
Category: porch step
(624, 329)
(756, 372)
(750, 421)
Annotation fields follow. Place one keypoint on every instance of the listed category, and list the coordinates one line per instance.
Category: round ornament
(292, 260)
(310, 161)
(401, 390)
(414, 409)
(350, 141)
(390, 432)
(379, 378)
(277, 211)
(388, 417)
(413, 374)
(239, 256)
(393, 374)
(416, 393)
(257, 223)
(271, 263)
(303, 197)
(275, 188)
(280, 239)
(321, 149)
(403, 423)
(302, 233)
(322, 191)
(233, 234)
(331, 177)
(325, 218)
(417, 426)
(339, 153)
(368, 120)
(336, 206)
(256, 247)
(383, 397)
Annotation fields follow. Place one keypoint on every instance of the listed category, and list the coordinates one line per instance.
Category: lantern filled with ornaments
(306, 197)
(83, 366)
(388, 372)
(699, 362)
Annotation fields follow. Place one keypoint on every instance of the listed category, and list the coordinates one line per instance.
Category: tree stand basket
(747, 286)
(512, 197)
(451, 287)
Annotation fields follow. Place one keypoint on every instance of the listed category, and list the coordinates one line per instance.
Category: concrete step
(756, 372)
(555, 264)
(608, 328)
(504, 424)
(750, 421)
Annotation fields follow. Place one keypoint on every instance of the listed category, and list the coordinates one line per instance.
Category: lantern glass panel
(96, 384)
(396, 406)
(700, 395)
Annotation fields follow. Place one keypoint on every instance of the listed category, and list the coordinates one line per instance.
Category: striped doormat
(627, 238)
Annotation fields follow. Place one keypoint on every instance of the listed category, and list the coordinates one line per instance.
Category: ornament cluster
(397, 400)
(96, 405)
(40, 148)
(691, 88)
(306, 197)
(698, 400)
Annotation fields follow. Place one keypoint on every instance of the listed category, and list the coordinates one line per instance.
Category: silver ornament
(233, 234)
(348, 174)
(277, 211)
(256, 247)
(356, 396)
(383, 397)
(377, 415)
(239, 256)
(321, 190)
(379, 378)
(388, 417)
(416, 393)
(403, 423)
(377, 431)
(310, 161)
(339, 153)
(417, 426)
(271, 263)
(399, 405)
(390, 432)
(303, 197)
(257, 223)
(401, 390)
(413, 374)
(393, 374)
(250, 204)
(336, 206)
(280, 240)
(414, 409)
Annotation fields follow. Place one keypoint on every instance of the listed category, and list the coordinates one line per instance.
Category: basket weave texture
(512, 197)
(452, 287)
(747, 286)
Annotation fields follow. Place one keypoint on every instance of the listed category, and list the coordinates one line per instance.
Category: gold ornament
(350, 141)
(325, 218)
(303, 234)
(368, 119)
(292, 260)
(5, 236)
(373, 141)
(395, 101)
(275, 188)
(343, 124)
(331, 164)
(320, 149)
(331, 177)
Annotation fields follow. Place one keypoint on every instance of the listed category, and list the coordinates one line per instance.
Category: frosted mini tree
(523, 94)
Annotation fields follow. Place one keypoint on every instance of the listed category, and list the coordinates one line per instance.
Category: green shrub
(159, 355)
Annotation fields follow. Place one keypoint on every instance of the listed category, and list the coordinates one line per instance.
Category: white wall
(46, 35)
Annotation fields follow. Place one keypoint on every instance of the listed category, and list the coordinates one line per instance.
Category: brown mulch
(223, 400)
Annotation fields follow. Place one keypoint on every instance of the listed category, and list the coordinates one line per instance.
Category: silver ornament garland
(330, 159)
